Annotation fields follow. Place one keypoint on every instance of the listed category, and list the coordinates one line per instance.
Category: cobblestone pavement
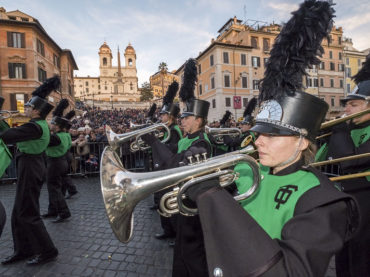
(86, 240)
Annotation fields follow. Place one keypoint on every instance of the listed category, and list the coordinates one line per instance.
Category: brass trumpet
(115, 140)
(9, 114)
(219, 133)
(122, 190)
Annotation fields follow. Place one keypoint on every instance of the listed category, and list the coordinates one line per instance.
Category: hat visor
(272, 129)
(164, 112)
(352, 97)
(186, 114)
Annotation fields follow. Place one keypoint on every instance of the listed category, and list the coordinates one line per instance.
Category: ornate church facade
(115, 83)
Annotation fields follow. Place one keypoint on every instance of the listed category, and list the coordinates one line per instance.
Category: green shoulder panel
(273, 204)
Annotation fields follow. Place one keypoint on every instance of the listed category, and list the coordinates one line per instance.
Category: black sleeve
(237, 244)
(54, 140)
(341, 145)
(28, 131)
(174, 139)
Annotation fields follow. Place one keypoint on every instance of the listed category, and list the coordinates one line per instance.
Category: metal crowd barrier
(82, 163)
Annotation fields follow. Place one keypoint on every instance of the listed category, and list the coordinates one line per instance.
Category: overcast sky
(165, 30)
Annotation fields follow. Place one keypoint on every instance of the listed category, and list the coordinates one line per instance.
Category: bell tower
(105, 56)
(130, 57)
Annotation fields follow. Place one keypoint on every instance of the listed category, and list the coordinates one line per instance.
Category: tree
(146, 92)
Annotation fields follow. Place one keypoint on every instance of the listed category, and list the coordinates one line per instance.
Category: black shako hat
(168, 106)
(284, 108)
(362, 79)
(192, 106)
(39, 101)
(247, 115)
(58, 118)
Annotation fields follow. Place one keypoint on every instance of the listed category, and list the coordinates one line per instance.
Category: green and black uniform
(5, 160)
(189, 254)
(236, 143)
(57, 167)
(169, 223)
(292, 226)
(347, 140)
(29, 232)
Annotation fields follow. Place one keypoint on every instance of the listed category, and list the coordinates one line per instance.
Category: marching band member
(30, 237)
(246, 136)
(168, 114)
(5, 159)
(297, 220)
(220, 148)
(347, 140)
(57, 165)
(189, 254)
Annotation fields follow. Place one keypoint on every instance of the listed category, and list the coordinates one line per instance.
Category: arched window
(130, 62)
(104, 61)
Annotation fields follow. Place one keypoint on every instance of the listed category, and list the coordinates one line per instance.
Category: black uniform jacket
(237, 245)
(28, 131)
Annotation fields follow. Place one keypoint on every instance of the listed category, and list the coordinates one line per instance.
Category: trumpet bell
(118, 209)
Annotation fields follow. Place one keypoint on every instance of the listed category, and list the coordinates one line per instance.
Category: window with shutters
(212, 82)
(56, 61)
(244, 82)
(40, 47)
(16, 40)
(321, 82)
(256, 62)
(211, 60)
(42, 75)
(322, 65)
(266, 44)
(226, 57)
(227, 102)
(200, 89)
(17, 70)
(245, 102)
(243, 59)
(332, 66)
(255, 84)
(254, 42)
(331, 83)
(315, 82)
(227, 80)
(199, 69)
(341, 83)
(213, 103)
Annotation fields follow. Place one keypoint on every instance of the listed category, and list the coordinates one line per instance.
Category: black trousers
(67, 184)
(354, 259)
(2, 218)
(29, 233)
(189, 258)
(56, 169)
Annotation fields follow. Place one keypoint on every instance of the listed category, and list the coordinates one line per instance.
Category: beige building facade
(114, 83)
(230, 68)
(160, 82)
(28, 57)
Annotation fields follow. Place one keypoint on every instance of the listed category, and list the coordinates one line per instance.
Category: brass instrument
(122, 190)
(344, 118)
(115, 140)
(339, 160)
(9, 114)
(350, 176)
(219, 133)
(333, 122)
(246, 141)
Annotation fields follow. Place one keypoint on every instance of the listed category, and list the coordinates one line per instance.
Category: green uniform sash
(274, 202)
(36, 146)
(5, 157)
(360, 136)
(185, 142)
(61, 149)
